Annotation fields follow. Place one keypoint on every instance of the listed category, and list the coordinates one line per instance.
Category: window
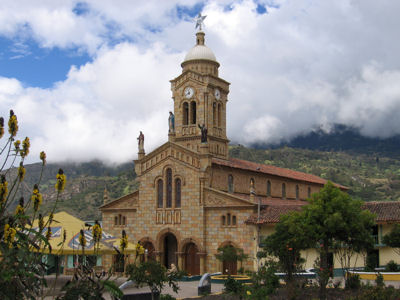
(309, 192)
(120, 220)
(233, 220)
(230, 183)
(169, 188)
(297, 192)
(268, 188)
(116, 220)
(215, 114)
(283, 191)
(193, 112)
(229, 220)
(252, 182)
(123, 220)
(219, 115)
(177, 192)
(160, 193)
(185, 113)
(223, 220)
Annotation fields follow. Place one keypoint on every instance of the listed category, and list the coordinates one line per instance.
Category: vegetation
(392, 239)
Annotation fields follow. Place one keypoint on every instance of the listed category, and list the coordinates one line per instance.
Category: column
(203, 268)
(180, 260)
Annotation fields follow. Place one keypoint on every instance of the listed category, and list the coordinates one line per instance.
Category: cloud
(300, 66)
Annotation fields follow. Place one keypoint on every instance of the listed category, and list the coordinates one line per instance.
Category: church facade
(193, 198)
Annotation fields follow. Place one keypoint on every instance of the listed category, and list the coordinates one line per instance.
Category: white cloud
(305, 64)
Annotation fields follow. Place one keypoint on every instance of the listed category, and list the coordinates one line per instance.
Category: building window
(223, 220)
(116, 220)
(177, 192)
(233, 220)
(297, 192)
(160, 193)
(283, 191)
(193, 112)
(185, 113)
(228, 220)
(230, 183)
(123, 220)
(120, 220)
(215, 114)
(219, 115)
(252, 182)
(309, 192)
(169, 188)
(268, 188)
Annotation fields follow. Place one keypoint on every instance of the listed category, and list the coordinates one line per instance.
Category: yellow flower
(41, 223)
(96, 232)
(82, 239)
(139, 249)
(17, 144)
(21, 172)
(61, 180)
(36, 197)
(1, 127)
(19, 210)
(13, 124)
(43, 157)
(3, 189)
(25, 147)
(51, 217)
(123, 242)
(248, 293)
(9, 234)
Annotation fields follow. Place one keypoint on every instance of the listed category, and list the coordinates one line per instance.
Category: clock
(189, 92)
(217, 94)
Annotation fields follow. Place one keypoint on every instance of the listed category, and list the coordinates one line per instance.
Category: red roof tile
(272, 213)
(271, 170)
(386, 211)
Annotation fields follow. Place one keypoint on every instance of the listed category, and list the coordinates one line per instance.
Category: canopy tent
(72, 225)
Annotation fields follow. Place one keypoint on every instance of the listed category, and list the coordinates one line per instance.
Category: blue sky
(80, 74)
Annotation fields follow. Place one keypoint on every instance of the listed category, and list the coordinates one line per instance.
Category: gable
(167, 151)
(127, 202)
(216, 199)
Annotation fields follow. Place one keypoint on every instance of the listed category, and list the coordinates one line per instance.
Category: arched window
(123, 220)
(268, 188)
(185, 113)
(193, 112)
(160, 193)
(119, 219)
(309, 192)
(252, 182)
(215, 114)
(283, 191)
(177, 192)
(169, 188)
(223, 219)
(297, 192)
(229, 219)
(116, 220)
(230, 183)
(219, 115)
(233, 220)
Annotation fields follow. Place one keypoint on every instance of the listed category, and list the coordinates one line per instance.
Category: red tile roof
(271, 200)
(271, 170)
(386, 211)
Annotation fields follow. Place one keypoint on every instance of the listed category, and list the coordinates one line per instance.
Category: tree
(392, 239)
(338, 224)
(154, 275)
(289, 238)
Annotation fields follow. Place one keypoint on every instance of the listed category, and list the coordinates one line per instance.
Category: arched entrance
(150, 251)
(229, 266)
(170, 247)
(192, 259)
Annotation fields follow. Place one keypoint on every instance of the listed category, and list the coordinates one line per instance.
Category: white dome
(200, 52)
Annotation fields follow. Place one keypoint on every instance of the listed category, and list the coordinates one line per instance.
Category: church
(193, 198)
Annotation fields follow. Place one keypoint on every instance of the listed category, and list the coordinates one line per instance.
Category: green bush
(167, 297)
(233, 286)
(353, 281)
(391, 267)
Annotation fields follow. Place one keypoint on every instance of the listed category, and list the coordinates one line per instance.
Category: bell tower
(200, 97)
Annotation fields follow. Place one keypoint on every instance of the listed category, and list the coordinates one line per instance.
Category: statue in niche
(141, 142)
(171, 122)
(203, 129)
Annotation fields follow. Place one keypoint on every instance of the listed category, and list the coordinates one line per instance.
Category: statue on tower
(141, 142)
(171, 122)
(203, 129)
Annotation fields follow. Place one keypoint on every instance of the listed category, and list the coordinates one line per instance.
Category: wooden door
(192, 260)
(230, 267)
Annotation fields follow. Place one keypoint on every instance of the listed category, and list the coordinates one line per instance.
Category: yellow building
(192, 197)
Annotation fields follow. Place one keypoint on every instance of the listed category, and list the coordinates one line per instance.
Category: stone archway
(191, 259)
(170, 247)
(149, 250)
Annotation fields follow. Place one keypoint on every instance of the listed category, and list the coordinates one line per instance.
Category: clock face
(217, 94)
(189, 92)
